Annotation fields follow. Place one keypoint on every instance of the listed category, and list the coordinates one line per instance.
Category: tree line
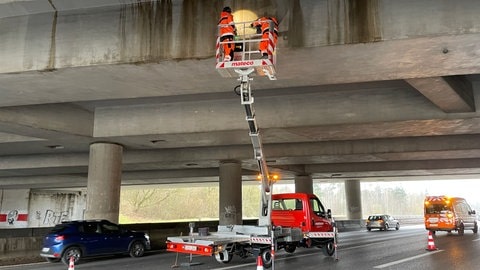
(153, 204)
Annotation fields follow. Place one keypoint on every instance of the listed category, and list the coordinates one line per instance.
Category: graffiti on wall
(12, 217)
(51, 217)
(230, 212)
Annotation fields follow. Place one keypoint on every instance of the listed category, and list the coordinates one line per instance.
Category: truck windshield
(437, 208)
(317, 207)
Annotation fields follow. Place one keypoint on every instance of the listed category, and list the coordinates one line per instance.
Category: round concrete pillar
(104, 181)
(353, 199)
(230, 188)
(303, 184)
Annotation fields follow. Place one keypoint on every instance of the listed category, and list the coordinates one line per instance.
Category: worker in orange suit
(227, 33)
(263, 26)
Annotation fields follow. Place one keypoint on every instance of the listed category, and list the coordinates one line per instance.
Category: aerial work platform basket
(246, 53)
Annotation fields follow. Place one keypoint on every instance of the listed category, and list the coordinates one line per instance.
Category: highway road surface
(402, 249)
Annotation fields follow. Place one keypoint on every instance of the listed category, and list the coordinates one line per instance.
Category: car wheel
(329, 248)
(397, 227)
(137, 249)
(461, 230)
(74, 252)
(475, 228)
(369, 229)
(53, 260)
(386, 227)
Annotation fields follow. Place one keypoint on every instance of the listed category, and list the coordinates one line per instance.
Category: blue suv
(84, 238)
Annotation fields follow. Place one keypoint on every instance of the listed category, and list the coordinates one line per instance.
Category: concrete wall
(39, 208)
(14, 208)
(48, 208)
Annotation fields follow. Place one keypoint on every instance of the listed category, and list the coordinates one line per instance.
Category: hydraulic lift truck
(271, 233)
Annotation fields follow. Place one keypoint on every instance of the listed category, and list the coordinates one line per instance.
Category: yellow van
(443, 213)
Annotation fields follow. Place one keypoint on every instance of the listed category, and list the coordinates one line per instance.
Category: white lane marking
(478, 239)
(407, 259)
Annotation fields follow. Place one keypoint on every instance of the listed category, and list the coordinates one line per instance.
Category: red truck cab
(300, 210)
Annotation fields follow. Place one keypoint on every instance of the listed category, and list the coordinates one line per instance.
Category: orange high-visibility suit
(264, 24)
(227, 32)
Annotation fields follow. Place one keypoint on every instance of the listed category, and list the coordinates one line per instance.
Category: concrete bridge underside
(374, 90)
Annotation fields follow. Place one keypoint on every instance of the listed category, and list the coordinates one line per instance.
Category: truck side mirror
(329, 213)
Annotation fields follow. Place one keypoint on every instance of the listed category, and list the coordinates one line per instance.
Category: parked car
(382, 222)
(85, 238)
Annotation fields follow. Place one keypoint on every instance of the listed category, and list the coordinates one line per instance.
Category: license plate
(190, 248)
(45, 249)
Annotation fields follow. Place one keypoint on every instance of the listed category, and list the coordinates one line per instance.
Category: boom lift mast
(246, 63)
(267, 183)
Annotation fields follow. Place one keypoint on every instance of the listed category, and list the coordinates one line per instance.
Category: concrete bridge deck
(376, 91)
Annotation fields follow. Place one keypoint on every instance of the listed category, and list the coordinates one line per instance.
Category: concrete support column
(230, 188)
(354, 199)
(303, 184)
(104, 181)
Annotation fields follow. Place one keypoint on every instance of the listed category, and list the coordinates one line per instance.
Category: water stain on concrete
(145, 31)
(362, 21)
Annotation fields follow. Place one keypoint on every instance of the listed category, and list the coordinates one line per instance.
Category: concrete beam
(374, 150)
(41, 120)
(451, 94)
(399, 170)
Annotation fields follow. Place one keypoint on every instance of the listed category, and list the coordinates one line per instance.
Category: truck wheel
(290, 248)
(328, 249)
(223, 257)
(267, 258)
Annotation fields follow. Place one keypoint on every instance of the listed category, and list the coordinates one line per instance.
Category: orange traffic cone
(259, 263)
(71, 265)
(431, 244)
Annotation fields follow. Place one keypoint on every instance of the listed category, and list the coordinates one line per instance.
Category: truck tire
(290, 248)
(328, 248)
(267, 258)
(223, 257)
